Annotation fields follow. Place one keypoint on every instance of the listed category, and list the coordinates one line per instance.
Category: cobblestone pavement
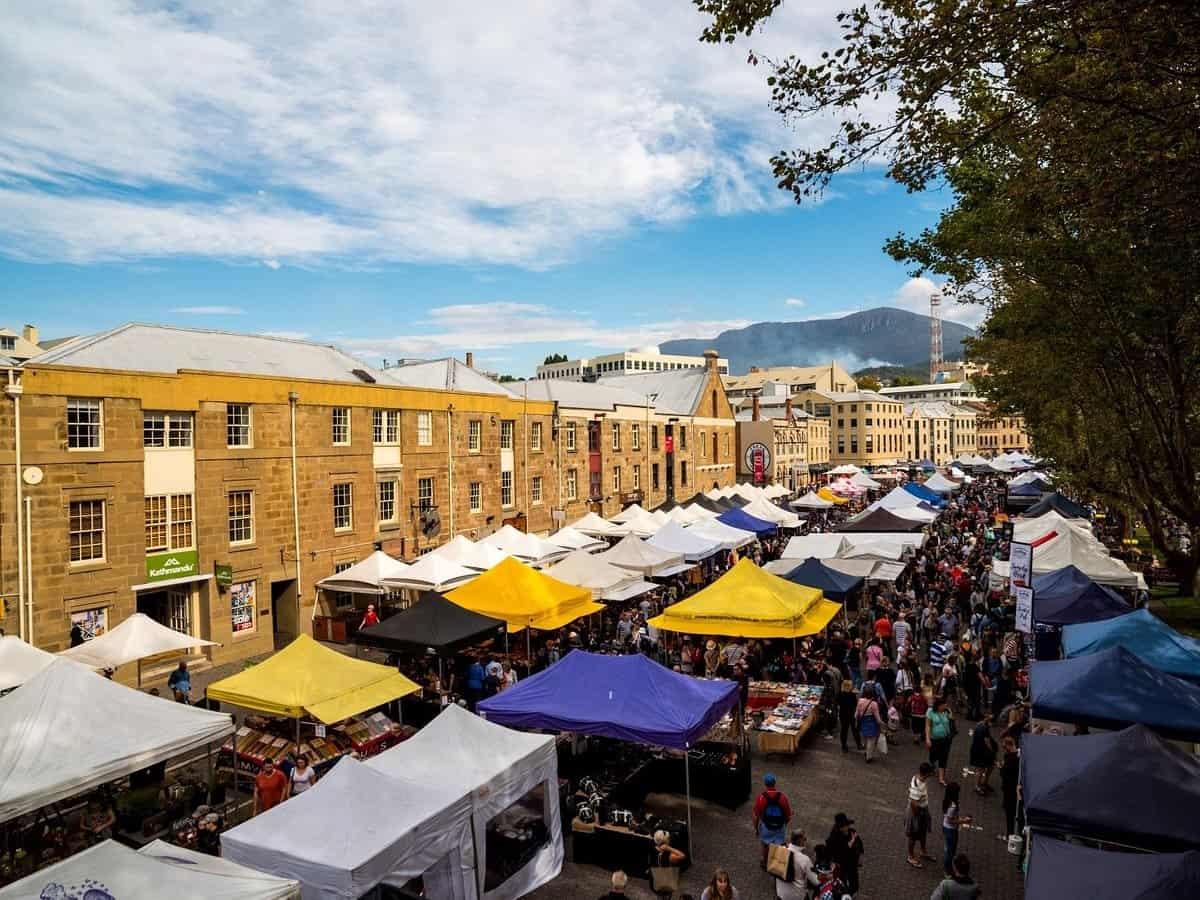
(820, 782)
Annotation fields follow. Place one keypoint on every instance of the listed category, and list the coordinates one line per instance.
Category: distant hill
(876, 337)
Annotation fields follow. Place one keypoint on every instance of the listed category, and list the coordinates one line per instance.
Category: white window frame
(72, 531)
(572, 487)
(535, 436)
(382, 486)
(85, 425)
(385, 427)
(637, 478)
(616, 435)
(424, 428)
(506, 489)
(339, 427)
(507, 428)
(535, 490)
(232, 427)
(425, 499)
(475, 496)
(341, 599)
(570, 435)
(635, 436)
(347, 507)
(474, 435)
(248, 518)
(169, 521)
(616, 479)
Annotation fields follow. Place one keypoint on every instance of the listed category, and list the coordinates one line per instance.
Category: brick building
(797, 443)
(865, 428)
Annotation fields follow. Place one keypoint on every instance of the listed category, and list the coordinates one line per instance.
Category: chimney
(710, 360)
(30, 333)
(470, 360)
(754, 408)
(787, 409)
(754, 369)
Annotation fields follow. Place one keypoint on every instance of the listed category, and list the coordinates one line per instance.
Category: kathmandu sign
(172, 564)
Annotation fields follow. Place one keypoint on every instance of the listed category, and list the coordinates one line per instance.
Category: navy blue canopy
(832, 583)
(1034, 488)
(933, 498)
(1058, 870)
(1131, 787)
(630, 698)
(1141, 632)
(1066, 596)
(737, 518)
(707, 503)
(1056, 503)
(1113, 689)
(880, 520)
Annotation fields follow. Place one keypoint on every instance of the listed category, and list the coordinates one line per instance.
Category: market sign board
(1024, 613)
(223, 573)
(1020, 560)
(758, 461)
(172, 564)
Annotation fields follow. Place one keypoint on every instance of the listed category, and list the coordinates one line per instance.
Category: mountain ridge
(874, 337)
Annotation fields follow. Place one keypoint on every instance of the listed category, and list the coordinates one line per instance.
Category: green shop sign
(224, 574)
(173, 564)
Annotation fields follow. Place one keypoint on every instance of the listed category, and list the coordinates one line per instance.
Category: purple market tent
(629, 698)
(1058, 869)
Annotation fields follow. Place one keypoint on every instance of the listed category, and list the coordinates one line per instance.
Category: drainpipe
(646, 462)
(14, 390)
(29, 565)
(525, 416)
(293, 399)
(450, 456)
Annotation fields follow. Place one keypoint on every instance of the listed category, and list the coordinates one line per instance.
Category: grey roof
(768, 412)
(677, 393)
(163, 348)
(579, 394)
(936, 408)
(55, 342)
(442, 374)
(857, 396)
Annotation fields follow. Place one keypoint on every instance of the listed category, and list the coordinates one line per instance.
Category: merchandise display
(784, 726)
(261, 738)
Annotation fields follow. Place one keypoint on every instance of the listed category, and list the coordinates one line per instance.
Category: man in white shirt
(802, 871)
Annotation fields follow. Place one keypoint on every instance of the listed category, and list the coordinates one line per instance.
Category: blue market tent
(933, 498)
(736, 518)
(1113, 689)
(1143, 633)
(1029, 489)
(1058, 870)
(1131, 787)
(1067, 596)
(833, 584)
(1056, 503)
(630, 698)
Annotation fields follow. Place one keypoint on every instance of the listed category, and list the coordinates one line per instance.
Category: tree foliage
(1067, 133)
(554, 358)
(869, 383)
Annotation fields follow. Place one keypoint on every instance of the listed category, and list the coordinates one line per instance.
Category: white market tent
(940, 483)
(357, 828)
(811, 501)
(365, 576)
(516, 765)
(693, 547)
(469, 553)
(642, 525)
(863, 480)
(593, 524)
(68, 730)
(159, 870)
(636, 555)
(20, 661)
(870, 569)
(775, 491)
(821, 546)
(571, 539)
(1026, 477)
(1067, 546)
(700, 513)
(898, 541)
(896, 498)
(765, 509)
(433, 572)
(683, 515)
(913, 513)
(524, 546)
(136, 638)
(632, 511)
(582, 569)
(730, 538)
(844, 469)
(659, 516)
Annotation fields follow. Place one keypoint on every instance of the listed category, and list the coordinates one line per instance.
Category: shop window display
(515, 836)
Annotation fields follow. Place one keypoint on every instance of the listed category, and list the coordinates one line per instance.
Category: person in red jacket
(772, 812)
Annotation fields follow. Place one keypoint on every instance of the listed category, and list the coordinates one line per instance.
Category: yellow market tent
(306, 677)
(524, 597)
(748, 601)
(826, 494)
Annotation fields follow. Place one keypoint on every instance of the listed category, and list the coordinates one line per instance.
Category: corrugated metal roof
(579, 394)
(677, 393)
(442, 374)
(138, 347)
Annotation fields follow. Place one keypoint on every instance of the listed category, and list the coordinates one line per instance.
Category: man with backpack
(772, 812)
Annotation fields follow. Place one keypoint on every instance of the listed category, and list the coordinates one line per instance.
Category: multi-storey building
(211, 480)
(825, 378)
(630, 362)
(949, 391)
(780, 441)
(19, 347)
(999, 433)
(927, 432)
(865, 427)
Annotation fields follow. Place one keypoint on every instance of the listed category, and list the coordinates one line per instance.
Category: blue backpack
(773, 816)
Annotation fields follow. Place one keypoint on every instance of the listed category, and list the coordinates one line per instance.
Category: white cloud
(793, 301)
(453, 132)
(271, 263)
(504, 324)
(913, 295)
(208, 310)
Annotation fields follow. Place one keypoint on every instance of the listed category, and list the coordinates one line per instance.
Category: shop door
(171, 607)
(284, 615)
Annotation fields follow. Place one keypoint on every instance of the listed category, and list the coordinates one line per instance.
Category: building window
(424, 429)
(475, 494)
(535, 490)
(535, 436)
(683, 437)
(84, 427)
(683, 474)
(343, 506)
(841, 445)
(156, 524)
(241, 517)
(635, 436)
(166, 429)
(86, 530)
(637, 478)
(424, 494)
(870, 444)
(169, 523)
(616, 435)
(342, 599)
(653, 437)
(385, 493)
(506, 489)
(703, 445)
(727, 445)
(8, 342)
(474, 435)
(570, 435)
(241, 606)
(654, 476)
(385, 426)
(572, 484)
(506, 434)
(616, 479)
(340, 424)
(237, 425)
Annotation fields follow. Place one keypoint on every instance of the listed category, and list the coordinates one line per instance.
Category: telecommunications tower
(935, 335)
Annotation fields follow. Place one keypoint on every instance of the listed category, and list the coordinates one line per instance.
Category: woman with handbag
(870, 723)
(665, 862)
(939, 731)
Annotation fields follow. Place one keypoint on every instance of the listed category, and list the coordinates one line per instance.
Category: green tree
(554, 358)
(1067, 135)
(869, 383)
(904, 381)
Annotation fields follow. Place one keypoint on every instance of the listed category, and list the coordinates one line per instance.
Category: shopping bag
(780, 862)
(664, 879)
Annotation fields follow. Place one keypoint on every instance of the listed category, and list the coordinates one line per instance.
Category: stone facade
(865, 428)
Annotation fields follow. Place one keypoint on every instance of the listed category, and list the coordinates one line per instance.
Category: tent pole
(139, 674)
(528, 647)
(235, 756)
(687, 780)
(297, 735)
(209, 770)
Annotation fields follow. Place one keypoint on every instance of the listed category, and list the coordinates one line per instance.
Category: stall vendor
(97, 819)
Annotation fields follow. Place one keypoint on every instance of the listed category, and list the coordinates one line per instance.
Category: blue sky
(574, 178)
